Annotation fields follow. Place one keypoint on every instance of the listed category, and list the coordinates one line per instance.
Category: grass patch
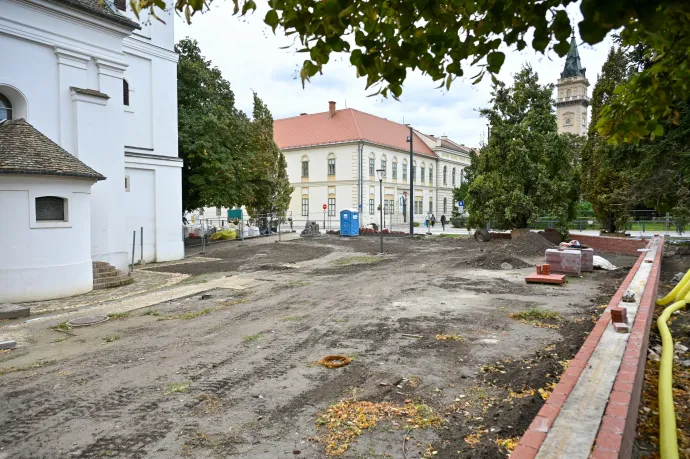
(250, 338)
(118, 315)
(111, 338)
(151, 312)
(454, 236)
(192, 280)
(346, 420)
(177, 388)
(189, 315)
(62, 326)
(33, 366)
(538, 318)
(210, 403)
(449, 338)
(292, 318)
(61, 339)
(296, 284)
(356, 260)
(231, 303)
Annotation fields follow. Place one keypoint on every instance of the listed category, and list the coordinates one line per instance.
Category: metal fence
(665, 225)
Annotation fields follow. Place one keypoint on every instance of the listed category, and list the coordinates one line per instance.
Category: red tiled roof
(348, 125)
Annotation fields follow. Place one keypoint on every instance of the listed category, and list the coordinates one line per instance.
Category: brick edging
(624, 245)
(618, 426)
(531, 441)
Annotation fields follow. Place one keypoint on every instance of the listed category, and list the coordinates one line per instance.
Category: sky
(250, 57)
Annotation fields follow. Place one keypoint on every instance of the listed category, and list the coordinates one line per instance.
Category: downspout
(360, 148)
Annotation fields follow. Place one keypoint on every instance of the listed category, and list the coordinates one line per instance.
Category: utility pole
(412, 171)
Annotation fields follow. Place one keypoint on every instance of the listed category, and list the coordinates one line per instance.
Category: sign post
(325, 206)
(461, 207)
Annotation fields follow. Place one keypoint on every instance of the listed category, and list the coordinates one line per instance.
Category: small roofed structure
(45, 197)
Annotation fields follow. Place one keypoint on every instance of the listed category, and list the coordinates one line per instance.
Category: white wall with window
(50, 251)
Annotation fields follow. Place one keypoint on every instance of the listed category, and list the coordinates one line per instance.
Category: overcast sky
(249, 55)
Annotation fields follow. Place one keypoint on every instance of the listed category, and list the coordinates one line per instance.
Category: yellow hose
(668, 436)
(674, 293)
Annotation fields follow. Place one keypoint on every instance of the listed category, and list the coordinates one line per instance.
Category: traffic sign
(325, 207)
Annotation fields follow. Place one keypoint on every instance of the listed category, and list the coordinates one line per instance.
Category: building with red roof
(332, 158)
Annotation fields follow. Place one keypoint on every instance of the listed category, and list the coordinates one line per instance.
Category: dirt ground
(647, 441)
(448, 372)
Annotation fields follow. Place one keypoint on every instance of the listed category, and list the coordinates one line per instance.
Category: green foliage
(229, 160)
(606, 177)
(527, 169)
(584, 208)
(385, 40)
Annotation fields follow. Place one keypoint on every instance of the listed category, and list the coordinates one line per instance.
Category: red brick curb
(531, 441)
(617, 430)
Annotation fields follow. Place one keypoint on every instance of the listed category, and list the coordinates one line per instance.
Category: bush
(416, 224)
(457, 222)
(223, 235)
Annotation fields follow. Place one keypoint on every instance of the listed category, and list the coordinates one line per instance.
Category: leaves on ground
(449, 338)
(177, 387)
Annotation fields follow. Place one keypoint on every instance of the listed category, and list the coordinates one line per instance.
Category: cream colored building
(572, 99)
(332, 158)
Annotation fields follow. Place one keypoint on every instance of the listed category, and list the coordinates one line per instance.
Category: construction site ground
(223, 363)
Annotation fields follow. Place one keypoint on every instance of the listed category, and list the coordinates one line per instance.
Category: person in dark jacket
(443, 222)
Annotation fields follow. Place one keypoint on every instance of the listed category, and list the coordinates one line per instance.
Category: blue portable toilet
(349, 223)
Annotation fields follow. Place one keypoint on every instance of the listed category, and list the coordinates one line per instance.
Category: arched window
(422, 172)
(567, 93)
(445, 174)
(5, 108)
(445, 203)
(383, 164)
(431, 175)
(462, 176)
(404, 169)
(125, 92)
(372, 165)
(452, 177)
(395, 168)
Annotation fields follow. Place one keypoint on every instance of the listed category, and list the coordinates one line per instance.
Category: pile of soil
(495, 260)
(512, 251)
(529, 245)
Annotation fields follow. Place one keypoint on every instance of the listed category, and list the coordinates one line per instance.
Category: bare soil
(233, 375)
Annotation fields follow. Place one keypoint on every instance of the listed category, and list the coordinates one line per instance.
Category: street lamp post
(379, 174)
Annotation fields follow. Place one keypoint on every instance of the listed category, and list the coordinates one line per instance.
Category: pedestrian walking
(426, 220)
(443, 222)
(433, 220)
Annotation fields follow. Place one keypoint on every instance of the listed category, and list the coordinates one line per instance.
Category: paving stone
(8, 344)
(545, 278)
(13, 311)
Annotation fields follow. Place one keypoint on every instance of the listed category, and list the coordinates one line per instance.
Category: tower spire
(573, 66)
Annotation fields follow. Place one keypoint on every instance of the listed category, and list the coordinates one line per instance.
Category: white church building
(85, 78)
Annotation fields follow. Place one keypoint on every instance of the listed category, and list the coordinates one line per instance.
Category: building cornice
(139, 48)
(355, 142)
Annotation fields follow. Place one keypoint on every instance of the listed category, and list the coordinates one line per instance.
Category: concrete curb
(621, 411)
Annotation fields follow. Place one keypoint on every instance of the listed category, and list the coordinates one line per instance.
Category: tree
(527, 169)
(385, 39)
(269, 184)
(606, 174)
(212, 134)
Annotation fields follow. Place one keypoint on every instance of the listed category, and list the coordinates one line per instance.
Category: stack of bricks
(565, 261)
(619, 317)
(587, 260)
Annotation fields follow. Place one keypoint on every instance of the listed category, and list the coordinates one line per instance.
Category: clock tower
(572, 99)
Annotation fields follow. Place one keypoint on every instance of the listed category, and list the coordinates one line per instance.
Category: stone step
(100, 264)
(106, 275)
(122, 279)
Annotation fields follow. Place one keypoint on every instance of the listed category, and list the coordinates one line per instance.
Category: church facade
(571, 96)
(102, 86)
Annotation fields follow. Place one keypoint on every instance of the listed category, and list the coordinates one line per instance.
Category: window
(445, 173)
(567, 93)
(331, 207)
(385, 207)
(383, 166)
(5, 108)
(201, 212)
(431, 175)
(391, 207)
(218, 211)
(371, 207)
(372, 172)
(452, 177)
(50, 208)
(404, 171)
(127, 183)
(125, 90)
(445, 205)
(305, 168)
(462, 176)
(422, 174)
(305, 207)
(395, 171)
(331, 166)
(431, 206)
(120, 5)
